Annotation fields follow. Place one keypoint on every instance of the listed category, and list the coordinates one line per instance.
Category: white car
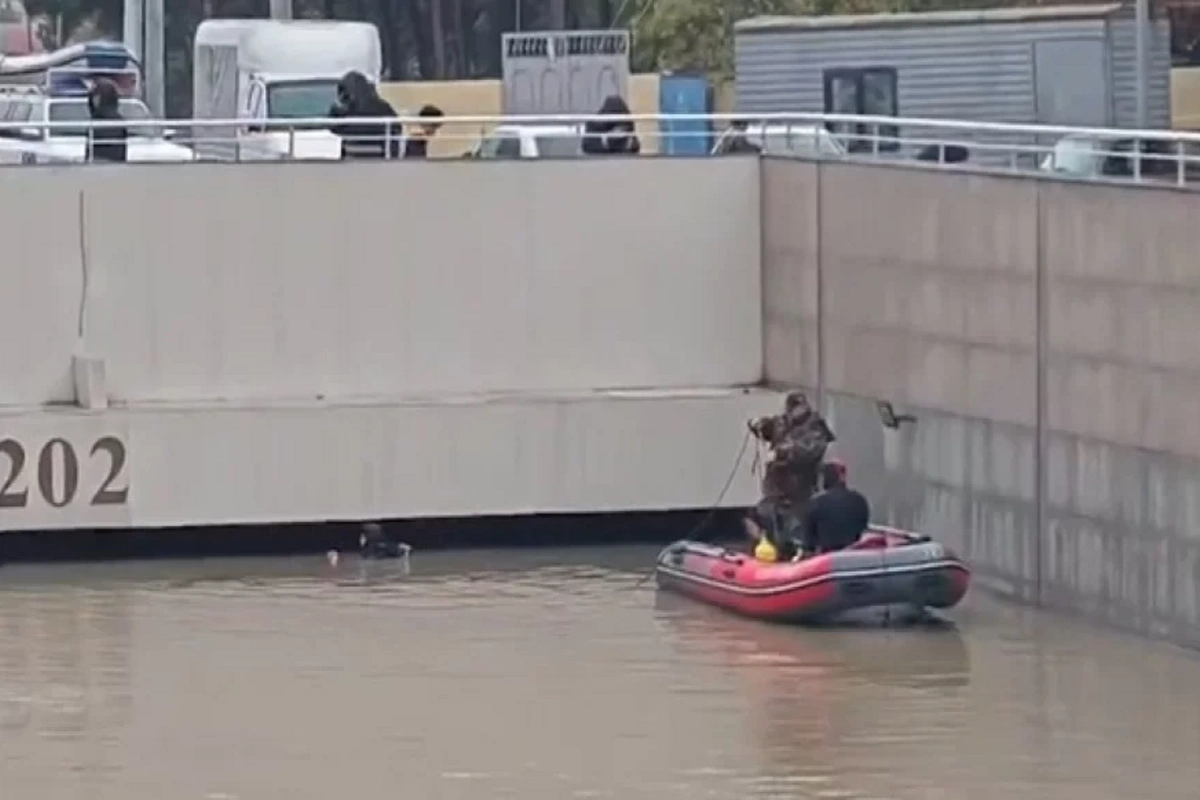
(802, 141)
(26, 140)
(1080, 155)
(531, 141)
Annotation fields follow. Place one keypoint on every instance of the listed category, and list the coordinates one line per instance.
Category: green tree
(697, 35)
(693, 35)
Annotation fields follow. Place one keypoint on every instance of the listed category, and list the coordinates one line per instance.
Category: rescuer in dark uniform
(797, 439)
(838, 516)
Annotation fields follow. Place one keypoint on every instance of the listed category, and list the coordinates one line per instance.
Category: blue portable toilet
(685, 94)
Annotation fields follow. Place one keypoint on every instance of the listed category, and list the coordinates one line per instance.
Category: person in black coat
(357, 98)
(838, 516)
(604, 138)
(104, 105)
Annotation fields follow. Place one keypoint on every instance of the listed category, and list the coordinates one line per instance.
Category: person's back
(618, 137)
(837, 517)
(357, 98)
(108, 142)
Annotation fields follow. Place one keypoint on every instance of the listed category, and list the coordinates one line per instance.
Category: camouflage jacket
(797, 449)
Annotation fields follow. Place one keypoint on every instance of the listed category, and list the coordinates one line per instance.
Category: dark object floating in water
(374, 543)
(885, 568)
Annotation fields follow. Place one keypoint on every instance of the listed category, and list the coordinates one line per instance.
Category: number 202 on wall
(55, 470)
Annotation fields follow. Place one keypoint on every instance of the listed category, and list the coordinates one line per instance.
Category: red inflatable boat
(885, 568)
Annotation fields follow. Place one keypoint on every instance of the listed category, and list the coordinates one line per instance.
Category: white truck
(260, 71)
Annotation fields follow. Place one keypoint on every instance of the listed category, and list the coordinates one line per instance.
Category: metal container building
(1062, 65)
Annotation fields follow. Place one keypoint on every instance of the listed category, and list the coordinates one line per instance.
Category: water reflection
(928, 654)
(1007, 702)
(824, 704)
(554, 674)
(65, 683)
(64, 661)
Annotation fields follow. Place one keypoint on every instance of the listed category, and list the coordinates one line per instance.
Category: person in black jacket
(417, 143)
(603, 138)
(357, 98)
(104, 105)
(838, 516)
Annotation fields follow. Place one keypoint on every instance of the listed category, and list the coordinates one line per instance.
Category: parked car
(802, 141)
(531, 141)
(1081, 155)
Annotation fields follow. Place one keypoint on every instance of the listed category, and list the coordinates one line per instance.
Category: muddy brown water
(554, 674)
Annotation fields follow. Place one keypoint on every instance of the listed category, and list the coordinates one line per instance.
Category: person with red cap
(836, 517)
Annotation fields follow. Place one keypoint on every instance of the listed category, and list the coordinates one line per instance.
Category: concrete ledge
(310, 461)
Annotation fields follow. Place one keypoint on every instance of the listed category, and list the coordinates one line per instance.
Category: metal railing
(1084, 153)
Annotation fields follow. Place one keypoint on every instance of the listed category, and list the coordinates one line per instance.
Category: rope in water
(716, 506)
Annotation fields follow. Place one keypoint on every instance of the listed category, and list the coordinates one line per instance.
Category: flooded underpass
(554, 674)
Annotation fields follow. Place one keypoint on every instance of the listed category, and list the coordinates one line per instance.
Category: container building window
(870, 91)
(1185, 34)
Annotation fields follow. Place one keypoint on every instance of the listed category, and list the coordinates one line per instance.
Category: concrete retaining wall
(254, 282)
(310, 342)
(1122, 534)
(325, 341)
(1041, 333)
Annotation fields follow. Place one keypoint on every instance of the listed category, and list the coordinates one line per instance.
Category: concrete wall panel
(309, 462)
(346, 280)
(969, 482)
(1120, 543)
(1124, 295)
(1123, 406)
(929, 289)
(790, 252)
(43, 267)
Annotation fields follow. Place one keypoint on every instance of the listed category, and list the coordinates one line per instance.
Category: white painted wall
(469, 456)
(41, 280)
(253, 282)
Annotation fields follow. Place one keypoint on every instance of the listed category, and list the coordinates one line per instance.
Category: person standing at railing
(417, 143)
(104, 105)
(604, 138)
(357, 98)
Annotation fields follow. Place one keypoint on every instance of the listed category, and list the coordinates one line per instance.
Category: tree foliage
(697, 35)
(694, 35)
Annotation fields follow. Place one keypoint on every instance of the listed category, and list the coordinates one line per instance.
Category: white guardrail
(1086, 153)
